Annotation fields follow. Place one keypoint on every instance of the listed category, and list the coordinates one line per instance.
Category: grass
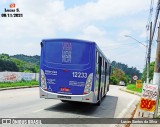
(133, 88)
(20, 83)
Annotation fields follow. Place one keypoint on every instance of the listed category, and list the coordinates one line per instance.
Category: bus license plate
(65, 97)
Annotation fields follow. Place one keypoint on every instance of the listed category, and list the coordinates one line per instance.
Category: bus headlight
(88, 85)
(43, 80)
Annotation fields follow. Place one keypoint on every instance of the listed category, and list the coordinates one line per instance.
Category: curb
(19, 87)
(131, 92)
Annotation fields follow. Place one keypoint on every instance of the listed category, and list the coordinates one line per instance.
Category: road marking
(13, 117)
(121, 115)
(37, 110)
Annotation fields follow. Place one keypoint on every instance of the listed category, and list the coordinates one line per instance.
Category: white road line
(13, 117)
(37, 110)
(121, 115)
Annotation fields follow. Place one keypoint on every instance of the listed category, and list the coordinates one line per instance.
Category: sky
(103, 21)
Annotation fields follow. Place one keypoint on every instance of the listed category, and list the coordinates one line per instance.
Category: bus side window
(97, 62)
(96, 57)
(106, 68)
(103, 66)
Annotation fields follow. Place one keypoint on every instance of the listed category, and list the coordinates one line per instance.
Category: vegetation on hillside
(29, 59)
(8, 63)
(130, 71)
(121, 72)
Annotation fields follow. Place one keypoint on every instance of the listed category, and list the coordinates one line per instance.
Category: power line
(118, 46)
(156, 18)
(122, 53)
(135, 40)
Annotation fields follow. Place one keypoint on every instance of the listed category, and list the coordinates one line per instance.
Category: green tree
(113, 80)
(144, 74)
(8, 63)
(25, 66)
(129, 71)
(29, 59)
(117, 76)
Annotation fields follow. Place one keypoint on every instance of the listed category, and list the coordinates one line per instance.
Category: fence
(18, 76)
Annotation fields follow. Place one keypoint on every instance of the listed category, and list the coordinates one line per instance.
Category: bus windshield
(58, 52)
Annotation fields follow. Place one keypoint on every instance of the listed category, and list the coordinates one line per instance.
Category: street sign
(135, 77)
(138, 84)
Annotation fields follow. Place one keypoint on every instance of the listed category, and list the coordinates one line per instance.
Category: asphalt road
(25, 103)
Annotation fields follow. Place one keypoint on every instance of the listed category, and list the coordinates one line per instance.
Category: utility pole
(156, 76)
(149, 53)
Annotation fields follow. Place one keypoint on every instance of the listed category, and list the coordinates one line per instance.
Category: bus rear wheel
(98, 103)
(64, 100)
(100, 99)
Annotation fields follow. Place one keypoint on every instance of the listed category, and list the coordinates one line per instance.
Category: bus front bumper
(89, 98)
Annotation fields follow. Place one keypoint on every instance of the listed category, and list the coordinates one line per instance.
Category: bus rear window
(66, 52)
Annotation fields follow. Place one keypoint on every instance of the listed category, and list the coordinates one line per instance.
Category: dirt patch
(132, 116)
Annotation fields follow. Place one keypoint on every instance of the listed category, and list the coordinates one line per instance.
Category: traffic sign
(135, 77)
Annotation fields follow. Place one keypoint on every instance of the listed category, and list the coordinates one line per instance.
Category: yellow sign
(139, 84)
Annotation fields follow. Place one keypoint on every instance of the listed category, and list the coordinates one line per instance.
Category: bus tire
(98, 103)
(100, 99)
(64, 101)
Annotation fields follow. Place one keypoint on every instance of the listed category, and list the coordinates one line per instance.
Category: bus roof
(78, 40)
(67, 39)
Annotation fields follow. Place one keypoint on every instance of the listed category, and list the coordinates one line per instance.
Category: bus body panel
(63, 82)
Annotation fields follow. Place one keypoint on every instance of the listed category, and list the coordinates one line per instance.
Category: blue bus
(73, 70)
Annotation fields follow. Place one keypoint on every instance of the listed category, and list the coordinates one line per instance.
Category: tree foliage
(129, 72)
(117, 76)
(8, 63)
(29, 59)
(144, 74)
